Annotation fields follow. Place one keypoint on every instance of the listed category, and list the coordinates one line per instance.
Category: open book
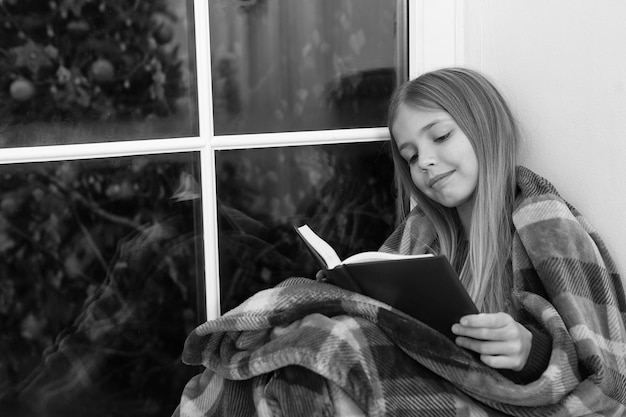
(328, 258)
(424, 286)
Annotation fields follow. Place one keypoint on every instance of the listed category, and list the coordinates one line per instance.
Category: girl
(454, 143)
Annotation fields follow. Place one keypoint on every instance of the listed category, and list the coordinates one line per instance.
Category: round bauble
(102, 71)
(22, 89)
(164, 34)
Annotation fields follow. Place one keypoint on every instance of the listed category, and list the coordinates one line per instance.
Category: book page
(380, 256)
(319, 245)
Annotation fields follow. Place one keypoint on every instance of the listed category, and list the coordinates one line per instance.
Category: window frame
(433, 38)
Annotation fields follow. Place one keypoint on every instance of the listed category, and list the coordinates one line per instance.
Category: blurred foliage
(100, 275)
(344, 192)
(80, 59)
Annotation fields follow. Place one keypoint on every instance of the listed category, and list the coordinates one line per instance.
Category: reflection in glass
(284, 65)
(344, 192)
(101, 280)
(87, 71)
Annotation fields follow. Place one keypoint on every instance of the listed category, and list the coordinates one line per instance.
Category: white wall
(562, 66)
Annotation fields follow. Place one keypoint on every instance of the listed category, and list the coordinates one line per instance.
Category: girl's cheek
(417, 178)
(420, 183)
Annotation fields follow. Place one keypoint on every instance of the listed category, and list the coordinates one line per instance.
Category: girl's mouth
(437, 178)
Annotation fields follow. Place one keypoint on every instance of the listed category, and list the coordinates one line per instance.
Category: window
(87, 71)
(102, 270)
(280, 67)
(100, 276)
(153, 160)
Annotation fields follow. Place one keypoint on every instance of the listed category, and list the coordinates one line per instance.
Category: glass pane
(101, 280)
(344, 192)
(96, 71)
(285, 65)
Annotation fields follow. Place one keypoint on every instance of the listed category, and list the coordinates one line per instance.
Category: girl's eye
(413, 159)
(443, 138)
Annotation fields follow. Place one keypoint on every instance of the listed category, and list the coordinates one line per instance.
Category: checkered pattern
(307, 348)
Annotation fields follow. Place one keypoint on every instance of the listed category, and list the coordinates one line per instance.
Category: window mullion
(99, 150)
(203, 69)
(316, 137)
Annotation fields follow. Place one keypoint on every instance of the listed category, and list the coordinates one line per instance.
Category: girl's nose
(426, 159)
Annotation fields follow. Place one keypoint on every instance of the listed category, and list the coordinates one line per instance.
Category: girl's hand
(320, 275)
(501, 342)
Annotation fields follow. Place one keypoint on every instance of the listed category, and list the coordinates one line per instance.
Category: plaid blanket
(308, 348)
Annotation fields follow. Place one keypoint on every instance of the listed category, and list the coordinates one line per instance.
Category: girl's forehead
(408, 109)
(417, 117)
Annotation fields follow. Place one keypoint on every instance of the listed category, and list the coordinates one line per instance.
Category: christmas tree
(78, 60)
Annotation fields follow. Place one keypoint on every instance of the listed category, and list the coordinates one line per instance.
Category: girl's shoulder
(531, 184)
(533, 188)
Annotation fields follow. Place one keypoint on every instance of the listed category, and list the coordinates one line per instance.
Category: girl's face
(441, 159)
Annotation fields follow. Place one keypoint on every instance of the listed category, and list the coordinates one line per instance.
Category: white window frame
(434, 39)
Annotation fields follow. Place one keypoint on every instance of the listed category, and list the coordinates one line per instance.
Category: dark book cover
(426, 288)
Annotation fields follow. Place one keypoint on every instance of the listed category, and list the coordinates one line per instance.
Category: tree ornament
(102, 71)
(63, 74)
(32, 56)
(22, 89)
(78, 27)
(164, 34)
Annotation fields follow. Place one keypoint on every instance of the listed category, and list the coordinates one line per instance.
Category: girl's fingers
(494, 320)
(486, 333)
(502, 362)
(320, 275)
(500, 355)
(498, 326)
(490, 348)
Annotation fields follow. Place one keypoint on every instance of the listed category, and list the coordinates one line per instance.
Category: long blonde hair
(483, 115)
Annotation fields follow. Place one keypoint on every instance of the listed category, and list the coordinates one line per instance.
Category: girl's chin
(449, 202)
